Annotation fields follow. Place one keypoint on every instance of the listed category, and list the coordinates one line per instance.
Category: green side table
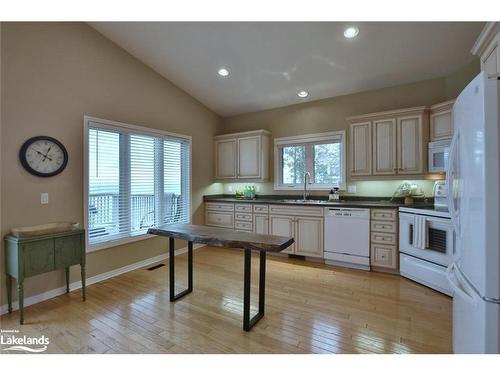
(30, 256)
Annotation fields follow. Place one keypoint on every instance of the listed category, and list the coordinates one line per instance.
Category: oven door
(426, 237)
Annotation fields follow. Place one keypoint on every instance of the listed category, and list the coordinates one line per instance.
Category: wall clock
(43, 156)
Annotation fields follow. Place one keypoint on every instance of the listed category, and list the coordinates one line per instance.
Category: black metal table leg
(247, 322)
(171, 259)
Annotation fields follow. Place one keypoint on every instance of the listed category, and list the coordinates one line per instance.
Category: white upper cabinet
(225, 156)
(409, 145)
(242, 156)
(488, 49)
(397, 140)
(249, 157)
(441, 117)
(361, 149)
(384, 146)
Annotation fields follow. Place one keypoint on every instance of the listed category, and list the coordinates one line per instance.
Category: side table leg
(20, 297)
(82, 266)
(8, 283)
(67, 279)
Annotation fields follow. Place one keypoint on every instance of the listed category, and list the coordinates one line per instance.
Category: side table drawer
(38, 257)
(68, 251)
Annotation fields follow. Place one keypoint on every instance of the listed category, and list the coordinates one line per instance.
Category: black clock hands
(44, 155)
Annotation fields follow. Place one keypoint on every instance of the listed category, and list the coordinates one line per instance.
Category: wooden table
(224, 238)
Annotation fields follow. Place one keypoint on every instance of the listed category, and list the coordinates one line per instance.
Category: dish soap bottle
(331, 195)
(336, 194)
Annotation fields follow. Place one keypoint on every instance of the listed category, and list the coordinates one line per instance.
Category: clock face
(43, 156)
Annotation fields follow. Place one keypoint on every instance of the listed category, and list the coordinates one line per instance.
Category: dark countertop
(362, 202)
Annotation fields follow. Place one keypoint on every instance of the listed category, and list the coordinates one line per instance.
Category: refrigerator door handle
(457, 285)
(450, 173)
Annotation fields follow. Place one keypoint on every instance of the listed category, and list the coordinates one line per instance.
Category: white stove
(426, 245)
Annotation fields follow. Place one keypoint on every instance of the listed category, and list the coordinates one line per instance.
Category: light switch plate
(351, 189)
(44, 198)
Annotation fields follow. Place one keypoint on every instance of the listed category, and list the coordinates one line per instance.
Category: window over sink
(322, 155)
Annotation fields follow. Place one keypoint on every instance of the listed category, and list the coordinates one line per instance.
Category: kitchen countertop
(361, 202)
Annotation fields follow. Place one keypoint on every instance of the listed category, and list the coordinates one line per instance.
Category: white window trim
(308, 138)
(115, 125)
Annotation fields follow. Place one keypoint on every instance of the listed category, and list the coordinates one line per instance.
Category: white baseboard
(92, 280)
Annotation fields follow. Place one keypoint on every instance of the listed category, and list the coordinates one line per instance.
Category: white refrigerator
(474, 203)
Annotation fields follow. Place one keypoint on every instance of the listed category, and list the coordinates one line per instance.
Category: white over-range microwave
(438, 156)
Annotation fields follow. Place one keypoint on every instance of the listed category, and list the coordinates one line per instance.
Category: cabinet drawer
(219, 219)
(243, 225)
(243, 217)
(383, 256)
(38, 257)
(263, 208)
(68, 251)
(378, 214)
(219, 206)
(296, 210)
(384, 226)
(384, 238)
(243, 207)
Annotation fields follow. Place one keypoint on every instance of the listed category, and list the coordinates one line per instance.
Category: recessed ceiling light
(223, 72)
(351, 32)
(302, 94)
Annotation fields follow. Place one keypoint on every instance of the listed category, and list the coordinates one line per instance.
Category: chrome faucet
(306, 174)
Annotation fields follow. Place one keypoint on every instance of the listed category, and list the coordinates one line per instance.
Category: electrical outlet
(230, 188)
(351, 189)
(44, 198)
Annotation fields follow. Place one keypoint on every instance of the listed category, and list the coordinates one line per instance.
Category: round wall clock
(43, 156)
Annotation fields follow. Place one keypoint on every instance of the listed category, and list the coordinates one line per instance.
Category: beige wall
(329, 114)
(52, 75)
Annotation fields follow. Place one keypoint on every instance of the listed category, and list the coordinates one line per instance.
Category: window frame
(309, 139)
(142, 130)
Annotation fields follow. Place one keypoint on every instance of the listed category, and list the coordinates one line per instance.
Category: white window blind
(136, 179)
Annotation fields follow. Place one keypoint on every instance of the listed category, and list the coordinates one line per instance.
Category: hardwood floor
(310, 308)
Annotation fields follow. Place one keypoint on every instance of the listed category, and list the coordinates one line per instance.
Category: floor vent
(155, 267)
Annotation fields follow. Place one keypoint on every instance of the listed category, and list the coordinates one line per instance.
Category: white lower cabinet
(261, 223)
(307, 232)
(280, 225)
(309, 236)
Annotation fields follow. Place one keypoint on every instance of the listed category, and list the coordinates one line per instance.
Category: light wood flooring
(310, 308)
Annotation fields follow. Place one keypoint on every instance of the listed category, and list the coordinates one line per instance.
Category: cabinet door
(68, 251)
(261, 224)
(384, 256)
(225, 159)
(38, 257)
(441, 125)
(309, 236)
(361, 149)
(283, 226)
(491, 61)
(410, 153)
(384, 146)
(249, 157)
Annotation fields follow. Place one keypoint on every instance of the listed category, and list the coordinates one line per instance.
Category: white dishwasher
(347, 237)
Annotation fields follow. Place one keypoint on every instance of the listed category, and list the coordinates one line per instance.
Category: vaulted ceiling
(270, 62)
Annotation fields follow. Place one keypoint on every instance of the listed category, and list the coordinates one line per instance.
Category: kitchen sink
(308, 201)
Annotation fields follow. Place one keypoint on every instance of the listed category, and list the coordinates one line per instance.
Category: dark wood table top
(221, 237)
